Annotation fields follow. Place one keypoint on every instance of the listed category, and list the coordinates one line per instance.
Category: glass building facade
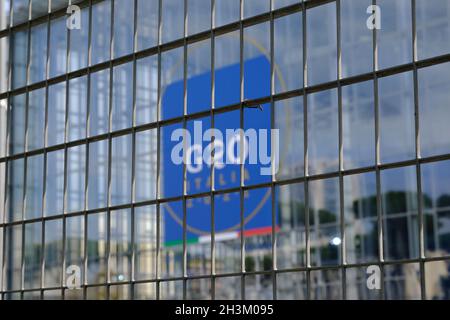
(86, 177)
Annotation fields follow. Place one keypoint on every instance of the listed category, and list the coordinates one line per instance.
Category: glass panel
(120, 246)
(288, 56)
(399, 204)
(75, 249)
(171, 290)
(357, 57)
(171, 240)
(146, 165)
(199, 77)
(96, 293)
(38, 53)
(17, 124)
(289, 121)
(145, 291)
(323, 132)
(146, 90)
(322, 44)
(77, 109)
(146, 244)
(283, 3)
(436, 203)
(58, 47)
(12, 270)
(98, 175)
(172, 20)
(437, 280)
(15, 191)
(79, 42)
(4, 61)
(36, 116)
(228, 288)
(258, 230)
(38, 8)
(324, 222)
(397, 123)
(356, 285)
(54, 189)
(358, 113)
(291, 238)
(5, 15)
(53, 253)
(97, 249)
(402, 282)
(120, 292)
(227, 11)
(361, 222)
(257, 61)
(255, 7)
(199, 16)
(326, 284)
(227, 69)
(147, 23)
(227, 222)
(123, 27)
(122, 108)
(32, 295)
(101, 32)
(198, 236)
(259, 287)
(198, 289)
(35, 187)
(434, 88)
(394, 39)
(76, 177)
(19, 57)
(56, 114)
(292, 286)
(99, 103)
(433, 28)
(172, 84)
(169, 170)
(121, 170)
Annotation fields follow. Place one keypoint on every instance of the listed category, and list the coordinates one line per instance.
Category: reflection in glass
(98, 175)
(288, 57)
(4, 62)
(291, 286)
(323, 132)
(259, 287)
(99, 103)
(96, 293)
(324, 222)
(283, 3)
(169, 172)
(227, 288)
(361, 223)
(434, 88)
(53, 253)
(79, 46)
(326, 284)
(58, 47)
(171, 240)
(123, 27)
(54, 189)
(38, 53)
(198, 289)
(17, 124)
(77, 116)
(97, 248)
(399, 204)
(172, 20)
(145, 243)
(291, 237)
(56, 114)
(227, 238)
(20, 10)
(199, 77)
(402, 282)
(35, 183)
(76, 177)
(145, 291)
(356, 42)
(12, 268)
(433, 28)
(147, 24)
(356, 285)
(437, 280)
(101, 32)
(122, 108)
(120, 245)
(122, 292)
(436, 211)
(358, 113)
(394, 39)
(322, 44)
(199, 16)
(121, 170)
(146, 90)
(227, 11)
(74, 248)
(171, 290)
(146, 165)
(36, 113)
(255, 7)
(289, 122)
(172, 83)
(16, 171)
(396, 112)
(19, 44)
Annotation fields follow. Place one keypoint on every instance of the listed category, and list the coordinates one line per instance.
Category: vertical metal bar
(241, 143)
(306, 155)
(380, 215)
(343, 260)
(422, 254)
(185, 73)
(212, 171)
